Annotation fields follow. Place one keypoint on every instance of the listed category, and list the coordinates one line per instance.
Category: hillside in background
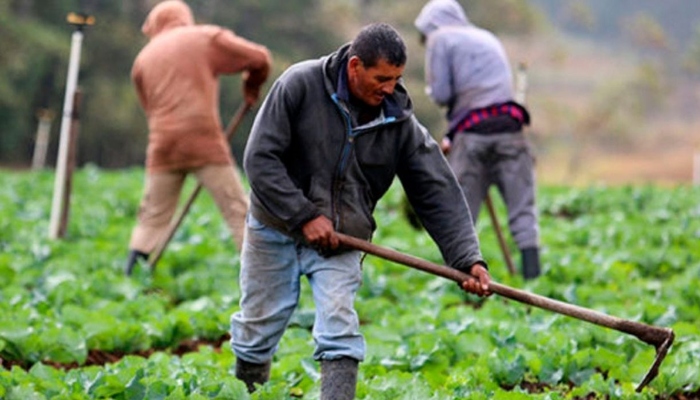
(606, 21)
(607, 116)
(614, 90)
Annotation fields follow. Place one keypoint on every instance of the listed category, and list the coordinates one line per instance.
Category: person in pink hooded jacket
(176, 76)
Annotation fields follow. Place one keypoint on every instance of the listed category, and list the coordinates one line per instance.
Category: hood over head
(167, 15)
(439, 13)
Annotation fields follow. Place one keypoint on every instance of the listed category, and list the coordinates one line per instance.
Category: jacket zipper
(351, 134)
(337, 184)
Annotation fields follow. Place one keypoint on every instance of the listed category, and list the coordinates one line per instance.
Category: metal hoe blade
(661, 352)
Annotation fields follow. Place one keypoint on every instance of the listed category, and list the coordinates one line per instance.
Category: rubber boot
(531, 262)
(338, 379)
(134, 256)
(252, 373)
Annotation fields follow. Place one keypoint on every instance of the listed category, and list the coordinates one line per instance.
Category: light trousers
(162, 193)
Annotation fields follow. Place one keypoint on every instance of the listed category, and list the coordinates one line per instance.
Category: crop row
(632, 252)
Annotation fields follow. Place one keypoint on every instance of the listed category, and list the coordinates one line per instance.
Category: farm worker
(467, 71)
(327, 143)
(176, 76)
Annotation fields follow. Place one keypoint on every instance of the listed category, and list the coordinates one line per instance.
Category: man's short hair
(376, 42)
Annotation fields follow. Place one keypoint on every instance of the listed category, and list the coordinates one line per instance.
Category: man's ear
(354, 62)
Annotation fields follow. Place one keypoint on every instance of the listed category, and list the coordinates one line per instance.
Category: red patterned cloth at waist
(479, 115)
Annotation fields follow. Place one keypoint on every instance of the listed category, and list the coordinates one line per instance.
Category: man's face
(371, 84)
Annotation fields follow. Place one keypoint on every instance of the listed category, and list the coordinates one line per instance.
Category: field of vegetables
(72, 326)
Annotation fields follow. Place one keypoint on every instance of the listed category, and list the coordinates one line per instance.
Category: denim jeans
(272, 265)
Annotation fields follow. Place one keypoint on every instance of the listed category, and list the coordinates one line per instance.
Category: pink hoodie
(176, 78)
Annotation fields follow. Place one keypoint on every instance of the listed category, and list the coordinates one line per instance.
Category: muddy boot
(252, 373)
(531, 262)
(338, 379)
(134, 256)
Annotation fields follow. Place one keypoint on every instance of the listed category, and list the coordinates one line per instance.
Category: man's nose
(388, 88)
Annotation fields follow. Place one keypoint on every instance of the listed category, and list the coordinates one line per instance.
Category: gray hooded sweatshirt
(466, 67)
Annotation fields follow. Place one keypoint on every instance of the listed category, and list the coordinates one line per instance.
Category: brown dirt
(102, 357)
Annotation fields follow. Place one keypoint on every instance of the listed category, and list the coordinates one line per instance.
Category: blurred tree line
(35, 39)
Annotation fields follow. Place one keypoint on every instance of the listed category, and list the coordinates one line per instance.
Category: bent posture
(468, 72)
(326, 145)
(176, 76)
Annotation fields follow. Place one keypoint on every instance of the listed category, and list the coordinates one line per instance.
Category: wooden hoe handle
(660, 338)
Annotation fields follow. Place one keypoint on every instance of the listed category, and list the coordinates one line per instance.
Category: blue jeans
(272, 264)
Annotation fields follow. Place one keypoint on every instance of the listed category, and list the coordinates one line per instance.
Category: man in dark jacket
(468, 72)
(325, 146)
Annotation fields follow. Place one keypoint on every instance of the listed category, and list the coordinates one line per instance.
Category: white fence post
(41, 145)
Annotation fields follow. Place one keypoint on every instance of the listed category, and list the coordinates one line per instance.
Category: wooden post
(42, 138)
(70, 166)
(64, 143)
(499, 235)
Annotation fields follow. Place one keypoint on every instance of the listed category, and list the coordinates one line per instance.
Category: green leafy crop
(72, 326)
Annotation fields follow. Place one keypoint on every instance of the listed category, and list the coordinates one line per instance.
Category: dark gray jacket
(304, 158)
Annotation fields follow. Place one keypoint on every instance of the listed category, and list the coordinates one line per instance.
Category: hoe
(660, 338)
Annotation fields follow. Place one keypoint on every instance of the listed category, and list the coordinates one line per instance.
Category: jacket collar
(398, 105)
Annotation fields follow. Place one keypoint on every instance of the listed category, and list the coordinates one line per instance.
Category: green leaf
(8, 274)
(135, 389)
(177, 394)
(24, 391)
(157, 390)
(50, 380)
(66, 346)
(508, 368)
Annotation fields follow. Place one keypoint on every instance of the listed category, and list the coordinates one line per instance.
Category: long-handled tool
(520, 95)
(660, 338)
(499, 234)
(230, 130)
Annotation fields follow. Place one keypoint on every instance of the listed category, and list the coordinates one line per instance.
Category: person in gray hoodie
(326, 145)
(468, 72)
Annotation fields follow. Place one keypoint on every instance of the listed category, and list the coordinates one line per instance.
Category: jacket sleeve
(267, 148)
(437, 71)
(236, 54)
(138, 84)
(435, 195)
